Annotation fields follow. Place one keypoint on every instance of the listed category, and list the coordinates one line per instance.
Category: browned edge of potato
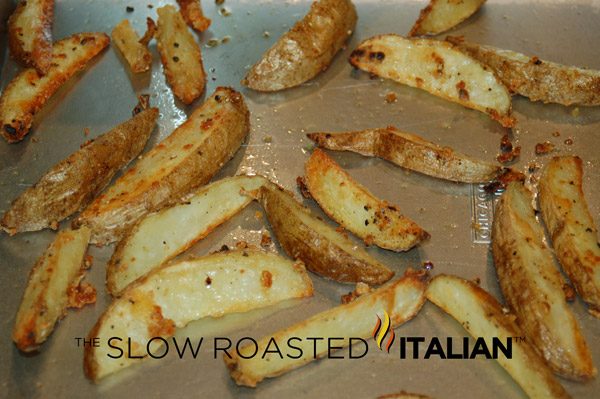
(307, 49)
(536, 79)
(183, 161)
(401, 300)
(412, 152)
(403, 395)
(482, 316)
(128, 42)
(74, 182)
(442, 15)
(325, 250)
(534, 288)
(52, 281)
(30, 34)
(571, 226)
(180, 55)
(355, 208)
(191, 11)
(29, 91)
(438, 68)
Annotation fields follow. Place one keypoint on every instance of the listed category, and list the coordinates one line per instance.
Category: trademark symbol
(519, 339)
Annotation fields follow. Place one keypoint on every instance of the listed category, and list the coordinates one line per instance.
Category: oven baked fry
(442, 15)
(129, 44)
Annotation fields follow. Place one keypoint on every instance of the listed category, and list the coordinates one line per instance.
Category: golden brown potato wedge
(51, 283)
(536, 79)
(357, 209)
(74, 182)
(180, 55)
(307, 49)
(411, 152)
(482, 316)
(187, 159)
(325, 251)
(442, 15)
(533, 286)
(438, 68)
(163, 235)
(30, 34)
(401, 299)
(191, 10)
(129, 44)
(176, 294)
(29, 90)
(570, 224)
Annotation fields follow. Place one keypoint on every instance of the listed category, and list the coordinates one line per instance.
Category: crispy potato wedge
(438, 68)
(180, 55)
(325, 251)
(533, 286)
(54, 276)
(357, 209)
(401, 299)
(29, 91)
(187, 159)
(570, 224)
(129, 44)
(536, 79)
(411, 152)
(30, 34)
(442, 15)
(176, 294)
(163, 235)
(191, 10)
(75, 181)
(307, 49)
(482, 316)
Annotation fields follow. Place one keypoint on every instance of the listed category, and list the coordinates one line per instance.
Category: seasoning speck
(176, 59)
(212, 43)
(129, 9)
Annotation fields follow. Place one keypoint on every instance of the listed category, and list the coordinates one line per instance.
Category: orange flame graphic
(381, 330)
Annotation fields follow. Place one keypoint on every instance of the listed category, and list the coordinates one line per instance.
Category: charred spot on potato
(463, 93)
(376, 55)
(358, 53)
(208, 281)
(266, 279)
(10, 130)
(301, 183)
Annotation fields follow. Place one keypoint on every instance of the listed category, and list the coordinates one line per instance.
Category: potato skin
(307, 49)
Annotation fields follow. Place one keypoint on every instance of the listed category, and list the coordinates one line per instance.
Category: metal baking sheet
(338, 99)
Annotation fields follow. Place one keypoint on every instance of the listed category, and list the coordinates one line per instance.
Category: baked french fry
(536, 79)
(167, 233)
(129, 44)
(28, 91)
(191, 10)
(180, 55)
(533, 286)
(482, 316)
(401, 300)
(357, 209)
(53, 281)
(185, 160)
(411, 152)
(307, 49)
(442, 15)
(75, 181)
(438, 68)
(30, 34)
(174, 295)
(571, 226)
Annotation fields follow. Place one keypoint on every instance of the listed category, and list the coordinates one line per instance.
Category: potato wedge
(357, 209)
(401, 299)
(536, 79)
(438, 68)
(46, 297)
(187, 159)
(191, 10)
(533, 286)
(307, 49)
(482, 316)
(75, 181)
(128, 42)
(29, 91)
(165, 234)
(176, 294)
(442, 15)
(180, 55)
(411, 152)
(570, 224)
(30, 34)
(324, 250)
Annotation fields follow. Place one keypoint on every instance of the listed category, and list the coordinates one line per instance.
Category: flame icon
(380, 331)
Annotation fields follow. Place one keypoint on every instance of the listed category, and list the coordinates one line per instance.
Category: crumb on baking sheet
(391, 97)
(544, 148)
